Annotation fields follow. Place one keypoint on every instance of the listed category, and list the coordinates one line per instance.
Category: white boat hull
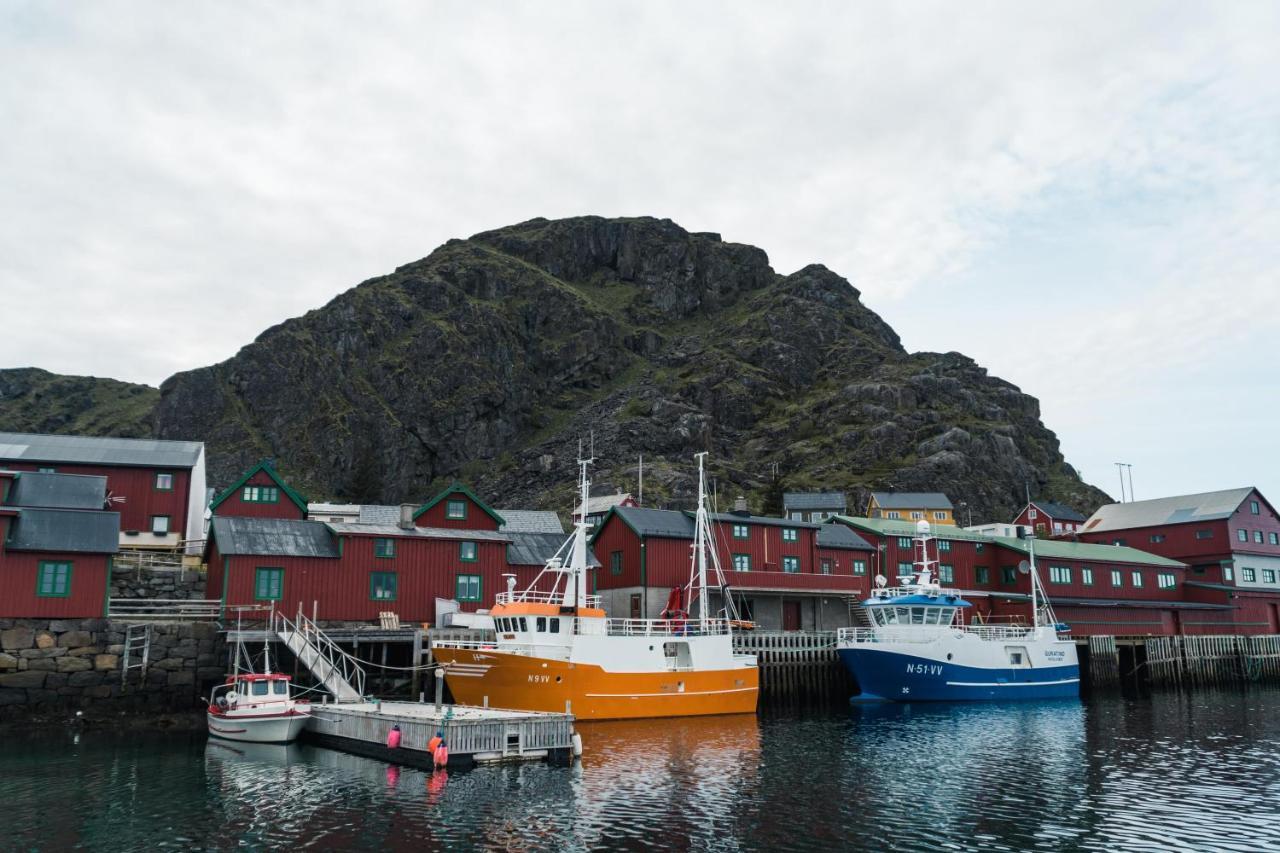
(259, 728)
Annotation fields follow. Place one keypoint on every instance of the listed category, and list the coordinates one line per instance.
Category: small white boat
(256, 707)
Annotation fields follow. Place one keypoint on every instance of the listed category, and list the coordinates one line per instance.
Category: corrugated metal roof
(531, 521)
(912, 500)
(766, 520)
(1180, 509)
(272, 537)
(71, 530)
(814, 500)
(840, 536)
(391, 530)
(602, 503)
(65, 491)
(1058, 511)
(379, 514)
(1049, 549)
(898, 527)
(656, 522)
(87, 450)
(534, 549)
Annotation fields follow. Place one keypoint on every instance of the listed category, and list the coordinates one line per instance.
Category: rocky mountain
(491, 358)
(34, 400)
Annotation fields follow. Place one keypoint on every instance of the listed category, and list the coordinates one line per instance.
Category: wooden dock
(796, 665)
(472, 735)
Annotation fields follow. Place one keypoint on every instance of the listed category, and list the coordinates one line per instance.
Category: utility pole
(1120, 471)
(1130, 468)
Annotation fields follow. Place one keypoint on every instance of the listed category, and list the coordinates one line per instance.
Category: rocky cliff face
(492, 357)
(34, 400)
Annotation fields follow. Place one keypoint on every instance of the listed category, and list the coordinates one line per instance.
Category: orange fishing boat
(558, 649)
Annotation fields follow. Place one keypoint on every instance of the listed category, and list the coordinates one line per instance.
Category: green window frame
(455, 510)
(742, 562)
(741, 531)
(944, 544)
(906, 568)
(826, 565)
(467, 552)
(977, 547)
(1086, 576)
(260, 494)
(982, 574)
(790, 534)
(791, 565)
(859, 567)
(1228, 573)
(615, 562)
(946, 573)
(384, 548)
(162, 529)
(1167, 580)
(1117, 577)
(1268, 576)
(1242, 534)
(53, 579)
(904, 542)
(1248, 575)
(268, 583)
(1059, 574)
(46, 470)
(1137, 579)
(468, 588)
(382, 586)
(163, 481)
(1008, 575)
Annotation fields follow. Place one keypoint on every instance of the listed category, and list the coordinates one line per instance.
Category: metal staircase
(331, 666)
(857, 615)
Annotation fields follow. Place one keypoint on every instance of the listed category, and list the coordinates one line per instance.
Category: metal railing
(663, 627)
(932, 591)
(163, 608)
(930, 633)
(334, 668)
(533, 596)
(154, 561)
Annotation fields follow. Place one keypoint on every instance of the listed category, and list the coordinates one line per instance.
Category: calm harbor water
(1197, 772)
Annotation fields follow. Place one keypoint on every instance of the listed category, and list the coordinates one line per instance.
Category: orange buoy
(435, 742)
(393, 738)
(441, 755)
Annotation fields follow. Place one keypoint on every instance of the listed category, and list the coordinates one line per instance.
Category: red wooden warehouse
(260, 493)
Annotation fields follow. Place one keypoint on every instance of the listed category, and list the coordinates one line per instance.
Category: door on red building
(1275, 618)
(635, 606)
(791, 616)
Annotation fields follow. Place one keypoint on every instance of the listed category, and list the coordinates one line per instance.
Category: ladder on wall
(137, 652)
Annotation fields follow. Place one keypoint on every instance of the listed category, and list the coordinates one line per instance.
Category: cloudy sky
(1085, 198)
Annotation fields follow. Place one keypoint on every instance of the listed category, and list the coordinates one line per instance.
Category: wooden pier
(472, 735)
(1201, 661)
(796, 665)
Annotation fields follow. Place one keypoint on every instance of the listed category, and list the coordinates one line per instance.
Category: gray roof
(393, 530)
(272, 537)
(65, 491)
(81, 449)
(1181, 509)
(601, 503)
(840, 536)
(815, 500)
(530, 521)
(379, 514)
(1058, 511)
(912, 500)
(657, 522)
(71, 530)
(767, 520)
(534, 549)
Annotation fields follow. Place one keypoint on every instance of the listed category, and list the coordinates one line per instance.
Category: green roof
(265, 466)
(458, 488)
(1055, 549)
(898, 527)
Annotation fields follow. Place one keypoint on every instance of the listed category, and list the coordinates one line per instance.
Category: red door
(791, 616)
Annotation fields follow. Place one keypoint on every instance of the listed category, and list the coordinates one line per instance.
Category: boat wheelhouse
(917, 646)
(558, 650)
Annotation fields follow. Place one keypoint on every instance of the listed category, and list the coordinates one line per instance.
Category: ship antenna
(701, 541)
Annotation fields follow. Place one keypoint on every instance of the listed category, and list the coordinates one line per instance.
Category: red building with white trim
(260, 493)
(1046, 518)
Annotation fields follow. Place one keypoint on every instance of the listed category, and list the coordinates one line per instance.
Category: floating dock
(472, 735)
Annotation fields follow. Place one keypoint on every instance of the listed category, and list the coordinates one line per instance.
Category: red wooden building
(783, 574)
(158, 487)
(1049, 519)
(1096, 589)
(260, 493)
(1229, 539)
(56, 545)
(457, 508)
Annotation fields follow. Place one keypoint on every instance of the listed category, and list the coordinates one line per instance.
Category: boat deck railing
(602, 627)
(533, 596)
(930, 633)
(932, 591)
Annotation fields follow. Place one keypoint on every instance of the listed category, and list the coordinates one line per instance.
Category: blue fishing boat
(917, 647)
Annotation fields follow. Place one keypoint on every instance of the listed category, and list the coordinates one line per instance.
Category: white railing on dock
(533, 596)
(331, 666)
(156, 609)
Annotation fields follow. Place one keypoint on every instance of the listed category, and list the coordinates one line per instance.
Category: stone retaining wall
(76, 664)
(145, 583)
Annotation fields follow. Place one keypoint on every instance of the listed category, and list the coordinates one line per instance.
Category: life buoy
(441, 755)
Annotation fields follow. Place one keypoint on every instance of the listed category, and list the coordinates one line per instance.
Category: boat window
(945, 615)
(917, 615)
(555, 624)
(931, 617)
(542, 624)
(281, 688)
(524, 624)
(259, 688)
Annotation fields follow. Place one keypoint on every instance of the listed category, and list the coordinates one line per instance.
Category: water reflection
(1192, 773)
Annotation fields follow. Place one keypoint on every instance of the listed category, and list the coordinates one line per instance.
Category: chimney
(740, 506)
(406, 516)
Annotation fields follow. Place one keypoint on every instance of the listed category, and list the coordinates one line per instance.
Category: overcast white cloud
(1082, 197)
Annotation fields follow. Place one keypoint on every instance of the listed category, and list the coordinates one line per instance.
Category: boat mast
(578, 559)
(1035, 582)
(700, 543)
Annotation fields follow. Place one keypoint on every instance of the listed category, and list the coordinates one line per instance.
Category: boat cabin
(252, 689)
(915, 610)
